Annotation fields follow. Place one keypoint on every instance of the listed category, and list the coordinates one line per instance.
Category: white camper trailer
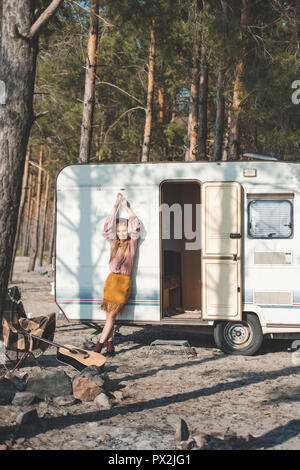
(236, 266)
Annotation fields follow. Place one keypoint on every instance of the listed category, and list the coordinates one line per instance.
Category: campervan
(218, 246)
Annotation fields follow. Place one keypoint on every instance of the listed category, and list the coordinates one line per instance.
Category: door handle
(235, 235)
(234, 257)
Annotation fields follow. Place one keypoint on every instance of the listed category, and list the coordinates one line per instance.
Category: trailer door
(221, 250)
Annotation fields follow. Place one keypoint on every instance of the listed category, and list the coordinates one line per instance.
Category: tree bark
(234, 130)
(173, 109)
(220, 99)
(21, 212)
(193, 122)
(89, 91)
(161, 99)
(18, 58)
(52, 237)
(219, 126)
(43, 221)
(28, 210)
(19, 49)
(150, 93)
(203, 93)
(35, 226)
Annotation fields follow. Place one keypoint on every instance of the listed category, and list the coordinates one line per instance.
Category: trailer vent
(273, 298)
(272, 257)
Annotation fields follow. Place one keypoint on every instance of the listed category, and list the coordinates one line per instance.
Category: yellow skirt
(117, 289)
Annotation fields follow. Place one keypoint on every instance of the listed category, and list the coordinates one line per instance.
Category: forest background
(244, 52)
(159, 80)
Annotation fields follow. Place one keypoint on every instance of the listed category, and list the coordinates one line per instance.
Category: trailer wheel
(239, 338)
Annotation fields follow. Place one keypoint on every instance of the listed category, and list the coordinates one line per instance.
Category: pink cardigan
(116, 266)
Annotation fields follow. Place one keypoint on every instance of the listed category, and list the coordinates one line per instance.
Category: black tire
(243, 338)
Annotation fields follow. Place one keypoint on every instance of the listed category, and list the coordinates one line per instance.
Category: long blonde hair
(119, 243)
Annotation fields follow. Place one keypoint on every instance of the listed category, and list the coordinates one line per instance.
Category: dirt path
(211, 391)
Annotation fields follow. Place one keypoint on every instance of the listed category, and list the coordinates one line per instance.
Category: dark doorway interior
(181, 268)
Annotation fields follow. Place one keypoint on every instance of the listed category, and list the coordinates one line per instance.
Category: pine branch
(123, 91)
(119, 118)
(43, 18)
(86, 9)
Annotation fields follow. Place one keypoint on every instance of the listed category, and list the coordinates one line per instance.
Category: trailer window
(270, 218)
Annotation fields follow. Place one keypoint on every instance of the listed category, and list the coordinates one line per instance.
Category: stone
(50, 384)
(41, 271)
(90, 444)
(183, 445)
(85, 389)
(118, 395)
(89, 344)
(95, 374)
(200, 438)
(103, 402)
(64, 400)
(182, 431)
(103, 437)
(7, 391)
(27, 417)
(20, 384)
(23, 398)
(20, 440)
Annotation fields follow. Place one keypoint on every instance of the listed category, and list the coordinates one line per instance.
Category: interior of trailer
(181, 268)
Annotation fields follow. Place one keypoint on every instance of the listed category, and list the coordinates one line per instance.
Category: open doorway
(180, 265)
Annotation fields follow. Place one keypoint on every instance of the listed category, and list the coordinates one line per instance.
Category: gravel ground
(213, 392)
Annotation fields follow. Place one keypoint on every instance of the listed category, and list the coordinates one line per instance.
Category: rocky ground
(160, 398)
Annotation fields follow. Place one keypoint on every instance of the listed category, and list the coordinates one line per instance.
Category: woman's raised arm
(109, 223)
(133, 222)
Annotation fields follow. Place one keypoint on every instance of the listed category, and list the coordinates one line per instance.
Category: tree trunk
(219, 126)
(234, 130)
(25, 244)
(52, 237)
(220, 99)
(43, 221)
(191, 151)
(89, 91)
(35, 225)
(203, 93)
(298, 18)
(20, 216)
(150, 93)
(19, 48)
(225, 147)
(161, 99)
(16, 116)
(173, 110)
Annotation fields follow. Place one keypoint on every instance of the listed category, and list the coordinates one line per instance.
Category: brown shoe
(99, 347)
(110, 349)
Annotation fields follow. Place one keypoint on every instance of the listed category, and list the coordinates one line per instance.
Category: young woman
(117, 286)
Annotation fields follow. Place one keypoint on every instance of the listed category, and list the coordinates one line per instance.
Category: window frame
(273, 199)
